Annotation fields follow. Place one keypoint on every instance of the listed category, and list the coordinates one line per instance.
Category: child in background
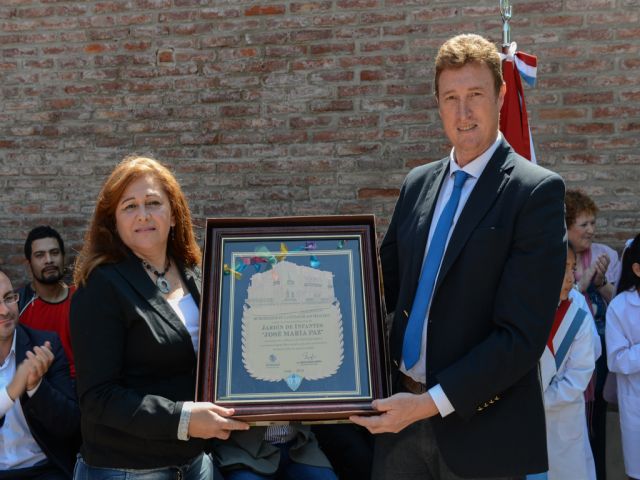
(623, 354)
(566, 368)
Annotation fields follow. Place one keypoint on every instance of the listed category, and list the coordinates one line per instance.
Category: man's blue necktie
(413, 333)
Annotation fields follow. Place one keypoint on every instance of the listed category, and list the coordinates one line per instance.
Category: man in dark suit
(39, 415)
(472, 262)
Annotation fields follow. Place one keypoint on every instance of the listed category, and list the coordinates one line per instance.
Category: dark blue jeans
(200, 468)
(288, 470)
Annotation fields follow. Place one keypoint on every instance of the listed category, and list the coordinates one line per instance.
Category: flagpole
(505, 12)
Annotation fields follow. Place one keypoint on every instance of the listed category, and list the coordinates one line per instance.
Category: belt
(411, 385)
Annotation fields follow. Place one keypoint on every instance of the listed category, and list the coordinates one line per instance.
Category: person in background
(134, 331)
(46, 301)
(623, 354)
(277, 452)
(597, 273)
(39, 415)
(566, 369)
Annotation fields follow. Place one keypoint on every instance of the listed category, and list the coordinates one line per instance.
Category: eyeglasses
(10, 299)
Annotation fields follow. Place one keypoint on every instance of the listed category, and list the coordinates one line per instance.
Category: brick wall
(291, 107)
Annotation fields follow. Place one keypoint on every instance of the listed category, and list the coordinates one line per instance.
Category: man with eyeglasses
(39, 415)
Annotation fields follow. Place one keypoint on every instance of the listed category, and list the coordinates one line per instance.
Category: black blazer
(491, 311)
(52, 413)
(135, 366)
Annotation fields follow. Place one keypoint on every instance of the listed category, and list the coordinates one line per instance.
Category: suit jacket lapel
(486, 191)
(426, 205)
(132, 271)
(22, 344)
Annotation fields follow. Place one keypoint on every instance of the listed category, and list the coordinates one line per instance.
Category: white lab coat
(623, 357)
(570, 454)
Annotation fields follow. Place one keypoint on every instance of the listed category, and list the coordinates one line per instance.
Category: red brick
(581, 5)
(165, 55)
(561, 20)
(591, 34)
(378, 192)
(357, 121)
(616, 112)
(612, 80)
(630, 96)
(109, 7)
(332, 48)
(391, 45)
(587, 98)
(589, 128)
(95, 48)
(438, 13)
(310, 6)
(354, 33)
(383, 17)
(561, 113)
(372, 75)
(309, 122)
(354, 4)
(627, 33)
(613, 49)
(404, 30)
(345, 135)
(310, 35)
(615, 18)
(348, 62)
(359, 90)
(630, 63)
(334, 20)
(265, 10)
(314, 64)
(420, 89)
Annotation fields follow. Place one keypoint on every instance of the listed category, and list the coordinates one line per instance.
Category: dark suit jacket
(52, 412)
(491, 311)
(135, 366)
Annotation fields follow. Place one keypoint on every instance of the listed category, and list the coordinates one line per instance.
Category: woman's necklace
(161, 282)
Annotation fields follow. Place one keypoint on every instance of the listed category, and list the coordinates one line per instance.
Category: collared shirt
(474, 169)
(18, 448)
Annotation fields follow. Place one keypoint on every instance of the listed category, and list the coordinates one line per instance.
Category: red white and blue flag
(514, 123)
(568, 319)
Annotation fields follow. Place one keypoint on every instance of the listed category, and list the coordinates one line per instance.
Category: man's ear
(27, 267)
(501, 93)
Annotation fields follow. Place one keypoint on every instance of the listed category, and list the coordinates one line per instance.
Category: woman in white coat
(623, 355)
(570, 454)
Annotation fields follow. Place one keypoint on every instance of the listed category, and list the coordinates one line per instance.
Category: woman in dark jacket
(134, 328)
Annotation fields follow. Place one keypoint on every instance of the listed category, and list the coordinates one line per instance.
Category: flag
(566, 323)
(514, 123)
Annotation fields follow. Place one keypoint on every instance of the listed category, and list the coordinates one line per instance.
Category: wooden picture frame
(291, 319)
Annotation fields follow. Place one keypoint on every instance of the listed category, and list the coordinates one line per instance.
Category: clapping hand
(31, 370)
(600, 266)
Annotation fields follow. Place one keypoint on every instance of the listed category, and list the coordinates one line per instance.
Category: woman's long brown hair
(102, 244)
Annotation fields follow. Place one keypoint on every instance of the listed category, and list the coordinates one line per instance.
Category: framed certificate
(291, 324)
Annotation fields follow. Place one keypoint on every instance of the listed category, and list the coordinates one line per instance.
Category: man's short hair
(42, 231)
(469, 48)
